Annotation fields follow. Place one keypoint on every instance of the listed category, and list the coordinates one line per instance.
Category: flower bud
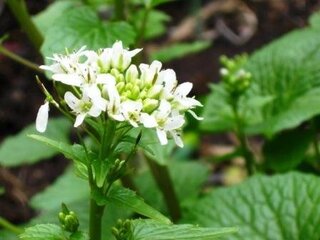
(135, 92)
(132, 74)
(149, 105)
(68, 219)
(104, 61)
(155, 91)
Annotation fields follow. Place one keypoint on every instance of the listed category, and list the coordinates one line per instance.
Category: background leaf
(127, 198)
(74, 192)
(187, 177)
(20, 149)
(287, 149)
(148, 229)
(82, 26)
(264, 208)
(47, 18)
(155, 26)
(179, 50)
(43, 232)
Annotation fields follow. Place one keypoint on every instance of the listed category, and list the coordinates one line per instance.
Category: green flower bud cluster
(68, 219)
(236, 78)
(116, 171)
(122, 230)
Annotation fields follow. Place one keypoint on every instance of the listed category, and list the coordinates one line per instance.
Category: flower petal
(162, 135)
(71, 100)
(195, 115)
(183, 89)
(79, 119)
(42, 117)
(148, 121)
(177, 138)
(68, 79)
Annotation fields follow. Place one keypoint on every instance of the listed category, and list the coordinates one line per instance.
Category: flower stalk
(163, 179)
(95, 218)
(19, 10)
(244, 147)
(236, 81)
(10, 227)
(20, 60)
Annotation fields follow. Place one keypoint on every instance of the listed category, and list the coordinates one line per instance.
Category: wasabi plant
(108, 98)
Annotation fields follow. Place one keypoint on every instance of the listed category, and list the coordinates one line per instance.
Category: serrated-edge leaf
(129, 199)
(82, 26)
(20, 149)
(264, 208)
(149, 229)
(66, 149)
(43, 232)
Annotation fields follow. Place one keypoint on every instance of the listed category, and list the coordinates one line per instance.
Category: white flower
(42, 117)
(149, 72)
(168, 121)
(121, 58)
(111, 93)
(183, 102)
(131, 111)
(91, 104)
(66, 63)
(168, 80)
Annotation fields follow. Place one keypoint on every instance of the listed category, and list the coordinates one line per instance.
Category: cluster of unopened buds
(105, 82)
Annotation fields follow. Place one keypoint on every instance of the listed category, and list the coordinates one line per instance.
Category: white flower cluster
(105, 82)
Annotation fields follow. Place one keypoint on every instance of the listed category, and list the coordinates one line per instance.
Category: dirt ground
(20, 96)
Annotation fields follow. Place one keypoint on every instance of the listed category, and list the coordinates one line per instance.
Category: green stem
(142, 30)
(164, 182)
(10, 227)
(20, 60)
(246, 152)
(96, 213)
(19, 10)
(119, 7)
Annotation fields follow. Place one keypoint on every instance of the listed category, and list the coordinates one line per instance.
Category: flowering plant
(107, 97)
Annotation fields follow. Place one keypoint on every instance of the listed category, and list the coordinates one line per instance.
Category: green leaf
(287, 150)
(217, 114)
(153, 149)
(148, 229)
(179, 50)
(155, 3)
(43, 232)
(79, 236)
(187, 177)
(74, 192)
(74, 152)
(127, 198)
(20, 149)
(7, 235)
(2, 190)
(155, 26)
(315, 20)
(67, 189)
(47, 18)
(264, 208)
(285, 71)
(82, 26)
